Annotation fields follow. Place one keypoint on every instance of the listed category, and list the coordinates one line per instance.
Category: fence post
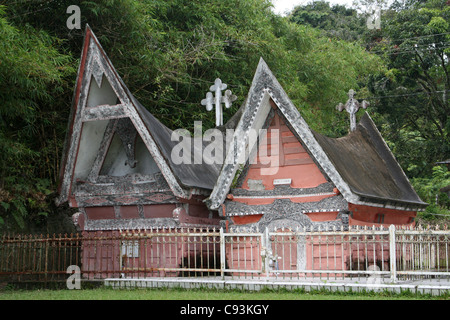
(222, 253)
(46, 257)
(265, 257)
(392, 253)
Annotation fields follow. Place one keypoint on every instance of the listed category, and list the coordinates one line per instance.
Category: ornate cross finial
(227, 99)
(352, 106)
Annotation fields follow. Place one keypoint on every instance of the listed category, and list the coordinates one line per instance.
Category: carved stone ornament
(352, 106)
(227, 98)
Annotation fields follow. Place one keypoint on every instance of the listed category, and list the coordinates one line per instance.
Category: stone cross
(226, 99)
(352, 106)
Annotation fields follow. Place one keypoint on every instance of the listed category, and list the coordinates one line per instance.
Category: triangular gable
(122, 152)
(280, 158)
(91, 113)
(264, 88)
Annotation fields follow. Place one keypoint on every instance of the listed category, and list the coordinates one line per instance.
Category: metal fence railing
(167, 252)
(39, 257)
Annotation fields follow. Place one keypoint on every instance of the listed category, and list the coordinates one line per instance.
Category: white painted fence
(358, 252)
(294, 254)
(361, 252)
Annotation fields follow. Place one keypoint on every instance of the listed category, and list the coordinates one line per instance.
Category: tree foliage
(413, 95)
(430, 189)
(33, 82)
(335, 20)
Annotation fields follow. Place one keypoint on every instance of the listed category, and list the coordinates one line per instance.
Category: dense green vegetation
(170, 51)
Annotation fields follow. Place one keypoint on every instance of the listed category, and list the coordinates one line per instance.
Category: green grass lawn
(198, 294)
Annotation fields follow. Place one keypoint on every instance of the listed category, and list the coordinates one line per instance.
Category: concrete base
(433, 287)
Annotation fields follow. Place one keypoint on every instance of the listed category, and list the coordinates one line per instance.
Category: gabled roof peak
(95, 64)
(265, 87)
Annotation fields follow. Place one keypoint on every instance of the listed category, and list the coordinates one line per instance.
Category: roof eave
(389, 203)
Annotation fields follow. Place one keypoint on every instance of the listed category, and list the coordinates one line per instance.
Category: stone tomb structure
(305, 176)
(117, 169)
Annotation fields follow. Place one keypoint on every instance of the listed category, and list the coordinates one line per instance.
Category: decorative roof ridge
(284, 190)
(284, 206)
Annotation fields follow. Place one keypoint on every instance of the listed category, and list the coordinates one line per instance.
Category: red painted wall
(366, 215)
(130, 212)
(97, 213)
(294, 162)
(138, 254)
(198, 214)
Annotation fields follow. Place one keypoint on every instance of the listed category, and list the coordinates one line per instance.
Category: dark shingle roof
(190, 175)
(367, 165)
